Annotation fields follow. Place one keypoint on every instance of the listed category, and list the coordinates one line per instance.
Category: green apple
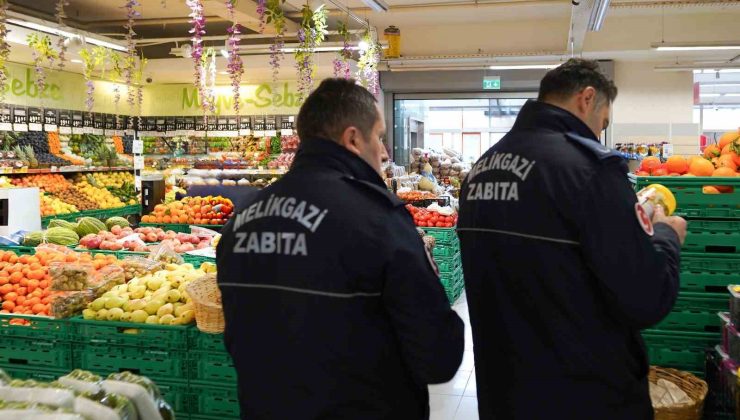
(187, 317)
(166, 319)
(165, 309)
(114, 314)
(126, 317)
(114, 302)
(152, 319)
(98, 304)
(153, 306)
(101, 315)
(89, 314)
(154, 284)
(173, 296)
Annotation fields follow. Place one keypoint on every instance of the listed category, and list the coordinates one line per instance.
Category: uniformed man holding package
(333, 307)
(562, 269)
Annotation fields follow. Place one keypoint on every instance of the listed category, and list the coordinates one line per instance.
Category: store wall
(654, 106)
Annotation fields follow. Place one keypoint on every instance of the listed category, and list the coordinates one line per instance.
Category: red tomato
(440, 224)
(448, 224)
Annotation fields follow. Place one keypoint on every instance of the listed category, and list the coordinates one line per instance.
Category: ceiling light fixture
(695, 46)
(598, 14)
(225, 53)
(377, 5)
(732, 95)
(711, 95)
(524, 67)
(74, 60)
(59, 32)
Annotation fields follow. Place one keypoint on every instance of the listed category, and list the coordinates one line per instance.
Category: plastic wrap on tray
(68, 304)
(70, 276)
(105, 278)
(142, 392)
(139, 267)
(101, 404)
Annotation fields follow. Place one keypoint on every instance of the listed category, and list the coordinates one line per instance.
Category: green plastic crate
(41, 375)
(214, 369)
(155, 363)
(206, 342)
(197, 260)
(442, 235)
(692, 202)
(180, 228)
(440, 252)
(713, 236)
(448, 265)
(35, 353)
(708, 273)
(19, 250)
(38, 327)
(177, 395)
(695, 312)
(214, 401)
(679, 350)
(130, 334)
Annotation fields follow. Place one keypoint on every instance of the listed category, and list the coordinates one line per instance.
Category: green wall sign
(492, 83)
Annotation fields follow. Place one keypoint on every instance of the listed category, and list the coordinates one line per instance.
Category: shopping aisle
(456, 400)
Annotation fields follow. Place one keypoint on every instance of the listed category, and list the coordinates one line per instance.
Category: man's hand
(677, 223)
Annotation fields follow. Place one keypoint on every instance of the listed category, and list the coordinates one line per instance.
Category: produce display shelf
(692, 201)
(179, 228)
(709, 273)
(442, 235)
(29, 250)
(129, 334)
(211, 369)
(206, 342)
(157, 364)
(69, 170)
(36, 353)
(222, 402)
(197, 260)
(448, 265)
(442, 251)
(177, 395)
(35, 373)
(34, 327)
(713, 236)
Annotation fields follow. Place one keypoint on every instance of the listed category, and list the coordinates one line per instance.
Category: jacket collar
(536, 114)
(327, 153)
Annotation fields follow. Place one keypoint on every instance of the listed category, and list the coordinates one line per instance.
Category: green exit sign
(492, 83)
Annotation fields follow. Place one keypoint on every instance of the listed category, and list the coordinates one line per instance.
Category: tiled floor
(456, 400)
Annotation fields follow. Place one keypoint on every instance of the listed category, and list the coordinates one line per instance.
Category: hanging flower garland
(118, 70)
(41, 50)
(235, 66)
(61, 40)
(310, 36)
(367, 65)
(91, 59)
(261, 15)
(130, 62)
(208, 81)
(4, 49)
(139, 79)
(275, 15)
(199, 29)
(341, 61)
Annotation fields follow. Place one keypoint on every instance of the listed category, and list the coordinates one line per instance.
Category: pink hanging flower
(198, 20)
(61, 41)
(261, 15)
(4, 49)
(128, 69)
(235, 65)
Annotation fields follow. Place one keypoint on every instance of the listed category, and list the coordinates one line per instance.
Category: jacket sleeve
(429, 332)
(638, 273)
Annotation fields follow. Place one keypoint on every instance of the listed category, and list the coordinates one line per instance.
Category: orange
(710, 190)
(8, 305)
(701, 167)
(728, 138)
(16, 277)
(677, 164)
(11, 296)
(727, 161)
(724, 172)
(711, 151)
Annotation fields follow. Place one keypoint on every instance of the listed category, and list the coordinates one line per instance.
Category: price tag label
(270, 133)
(35, 127)
(50, 128)
(65, 130)
(259, 134)
(20, 127)
(138, 147)
(286, 132)
(137, 182)
(245, 132)
(138, 162)
(6, 127)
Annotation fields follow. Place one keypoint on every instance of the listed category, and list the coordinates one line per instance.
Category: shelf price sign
(245, 126)
(20, 119)
(51, 120)
(35, 119)
(65, 122)
(492, 83)
(6, 119)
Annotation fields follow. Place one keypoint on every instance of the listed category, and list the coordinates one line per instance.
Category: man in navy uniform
(333, 307)
(561, 271)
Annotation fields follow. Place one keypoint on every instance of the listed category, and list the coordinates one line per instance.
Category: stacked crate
(158, 352)
(35, 347)
(446, 253)
(710, 260)
(213, 388)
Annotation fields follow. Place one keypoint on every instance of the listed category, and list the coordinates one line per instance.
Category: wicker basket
(209, 314)
(694, 387)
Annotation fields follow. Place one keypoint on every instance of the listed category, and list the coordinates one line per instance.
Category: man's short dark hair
(572, 77)
(335, 105)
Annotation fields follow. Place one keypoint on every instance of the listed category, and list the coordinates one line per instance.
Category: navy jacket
(333, 309)
(560, 274)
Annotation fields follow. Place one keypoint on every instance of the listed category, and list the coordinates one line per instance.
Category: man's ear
(350, 139)
(587, 98)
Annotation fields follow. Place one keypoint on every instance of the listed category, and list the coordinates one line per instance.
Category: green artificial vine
(367, 65)
(91, 60)
(274, 14)
(42, 51)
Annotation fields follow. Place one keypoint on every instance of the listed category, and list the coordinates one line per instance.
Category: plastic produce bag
(70, 276)
(4, 378)
(90, 386)
(165, 253)
(105, 279)
(68, 304)
(151, 390)
(139, 267)
(49, 396)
